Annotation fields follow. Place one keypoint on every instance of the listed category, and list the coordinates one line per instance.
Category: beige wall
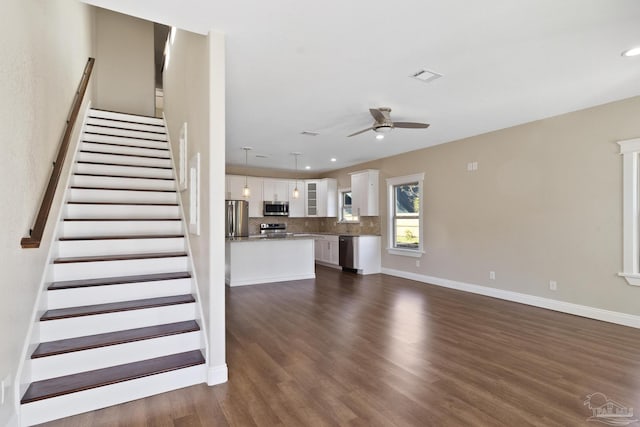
(545, 204)
(45, 46)
(125, 73)
(188, 98)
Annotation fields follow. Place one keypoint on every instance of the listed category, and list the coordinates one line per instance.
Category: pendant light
(245, 191)
(296, 193)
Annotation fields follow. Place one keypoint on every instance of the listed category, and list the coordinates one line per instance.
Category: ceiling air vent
(309, 133)
(425, 76)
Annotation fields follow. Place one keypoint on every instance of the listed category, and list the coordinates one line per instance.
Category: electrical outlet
(553, 285)
(469, 167)
(474, 166)
(417, 263)
(492, 275)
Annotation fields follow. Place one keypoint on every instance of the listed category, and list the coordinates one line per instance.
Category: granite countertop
(293, 236)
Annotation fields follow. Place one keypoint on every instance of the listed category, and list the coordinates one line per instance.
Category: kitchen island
(250, 260)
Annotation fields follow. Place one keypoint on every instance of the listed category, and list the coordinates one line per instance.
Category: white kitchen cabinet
(275, 190)
(296, 206)
(235, 185)
(366, 253)
(327, 250)
(365, 193)
(321, 198)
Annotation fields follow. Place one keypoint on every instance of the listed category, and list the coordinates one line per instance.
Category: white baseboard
(551, 304)
(217, 374)
(260, 280)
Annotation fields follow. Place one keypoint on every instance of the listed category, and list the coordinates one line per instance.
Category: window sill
(415, 253)
(632, 279)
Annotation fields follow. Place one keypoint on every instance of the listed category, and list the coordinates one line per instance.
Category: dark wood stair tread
(102, 175)
(125, 121)
(85, 283)
(89, 310)
(122, 203)
(126, 155)
(85, 162)
(60, 386)
(113, 338)
(119, 257)
(124, 136)
(127, 237)
(121, 189)
(119, 219)
(154, 132)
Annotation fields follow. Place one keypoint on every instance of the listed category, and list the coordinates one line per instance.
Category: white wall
(545, 204)
(194, 93)
(45, 46)
(125, 73)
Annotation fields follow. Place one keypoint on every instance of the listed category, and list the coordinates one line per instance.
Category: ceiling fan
(383, 122)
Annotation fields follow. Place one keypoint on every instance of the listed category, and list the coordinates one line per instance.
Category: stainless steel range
(274, 230)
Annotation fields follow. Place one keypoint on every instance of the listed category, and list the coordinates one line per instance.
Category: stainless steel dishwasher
(345, 251)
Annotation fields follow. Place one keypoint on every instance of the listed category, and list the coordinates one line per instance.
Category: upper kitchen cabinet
(235, 185)
(321, 197)
(276, 190)
(296, 205)
(364, 193)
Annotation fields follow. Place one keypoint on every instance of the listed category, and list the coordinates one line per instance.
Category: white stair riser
(89, 400)
(123, 170)
(124, 132)
(91, 195)
(119, 149)
(95, 270)
(132, 142)
(126, 183)
(121, 211)
(124, 124)
(119, 228)
(64, 298)
(124, 116)
(52, 330)
(75, 248)
(79, 361)
(123, 160)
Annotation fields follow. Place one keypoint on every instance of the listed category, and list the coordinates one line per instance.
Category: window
(346, 211)
(630, 150)
(405, 219)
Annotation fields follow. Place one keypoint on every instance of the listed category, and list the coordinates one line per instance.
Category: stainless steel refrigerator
(237, 218)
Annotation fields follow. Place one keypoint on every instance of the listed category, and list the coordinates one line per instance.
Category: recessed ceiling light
(425, 76)
(634, 51)
(333, 159)
(307, 167)
(379, 136)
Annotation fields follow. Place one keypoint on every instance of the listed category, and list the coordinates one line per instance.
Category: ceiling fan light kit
(384, 124)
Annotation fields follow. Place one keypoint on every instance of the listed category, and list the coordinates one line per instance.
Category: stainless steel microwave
(275, 208)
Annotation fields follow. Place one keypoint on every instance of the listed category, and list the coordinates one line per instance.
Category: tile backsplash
(367, 225)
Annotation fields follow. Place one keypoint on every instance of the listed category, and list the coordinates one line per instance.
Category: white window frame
(341, 205)
(630, 151)
(392, 182)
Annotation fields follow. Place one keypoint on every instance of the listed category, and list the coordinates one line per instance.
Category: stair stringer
(192, 269)
(23, 374)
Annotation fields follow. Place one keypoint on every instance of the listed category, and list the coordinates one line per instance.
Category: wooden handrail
(35, 234)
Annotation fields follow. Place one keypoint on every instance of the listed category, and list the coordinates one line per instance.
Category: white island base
(252, 261)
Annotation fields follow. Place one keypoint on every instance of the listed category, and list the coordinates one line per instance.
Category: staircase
(120, 320)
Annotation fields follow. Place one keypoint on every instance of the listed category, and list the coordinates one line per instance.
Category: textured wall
(45, 46)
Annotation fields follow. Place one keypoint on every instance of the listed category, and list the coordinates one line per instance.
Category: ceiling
(319, 66)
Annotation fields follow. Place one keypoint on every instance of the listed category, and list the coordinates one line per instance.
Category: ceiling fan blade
(410, 125)
(377, 115)
(359, 132)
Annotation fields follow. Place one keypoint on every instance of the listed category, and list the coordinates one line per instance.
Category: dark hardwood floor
(378, 350)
